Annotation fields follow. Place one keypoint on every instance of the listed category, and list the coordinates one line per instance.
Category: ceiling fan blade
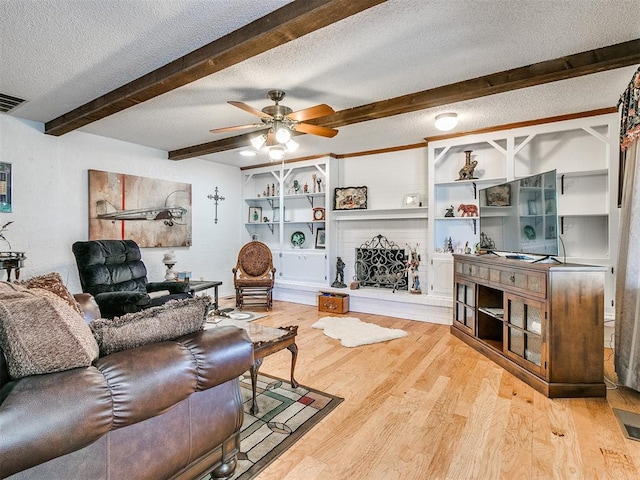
(238, 127)
(316, 130)
(311, 112)
(250, 109)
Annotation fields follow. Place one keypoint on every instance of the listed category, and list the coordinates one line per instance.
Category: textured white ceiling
(60, 54)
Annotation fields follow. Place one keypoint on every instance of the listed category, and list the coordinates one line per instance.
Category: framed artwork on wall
(149, 211)
(6, 187)
(350, 198)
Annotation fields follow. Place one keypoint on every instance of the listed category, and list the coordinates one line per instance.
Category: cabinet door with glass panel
(465, 308)
(524, 333)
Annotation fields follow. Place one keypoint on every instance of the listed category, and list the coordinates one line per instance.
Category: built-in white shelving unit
(584, 151)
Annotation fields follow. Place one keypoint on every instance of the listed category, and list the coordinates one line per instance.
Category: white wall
(50, 201)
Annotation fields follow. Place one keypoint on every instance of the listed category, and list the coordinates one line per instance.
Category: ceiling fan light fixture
(276, 153)
(258, 141)
(446, 121)
(292, 146)
(283, 135)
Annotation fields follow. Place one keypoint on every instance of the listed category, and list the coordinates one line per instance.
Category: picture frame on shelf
(533, 207)
(412, 200)
(350, 198)
(321, 241)
(276, 214)
(255, 215)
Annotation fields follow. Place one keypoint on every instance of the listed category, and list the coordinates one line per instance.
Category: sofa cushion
(40, 332)
(155, 324)
(53, 283)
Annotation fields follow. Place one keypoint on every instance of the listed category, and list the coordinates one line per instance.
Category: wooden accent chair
(254, 275)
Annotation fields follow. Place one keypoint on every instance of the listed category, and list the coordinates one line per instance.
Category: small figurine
(315, 187)
(339, 281)
(468, 210)
(413, 262)
(306, 187)
(450, 245)
(466, 172)
(467, 248)
(268, 192)
(273, 189)
(449, 213)
(319, 182)
(296, 186)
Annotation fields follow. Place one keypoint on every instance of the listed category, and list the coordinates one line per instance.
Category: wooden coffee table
(267, 340)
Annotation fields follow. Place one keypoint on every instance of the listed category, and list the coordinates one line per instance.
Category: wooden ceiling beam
(584, 63)
(289, 22)
(563, 68)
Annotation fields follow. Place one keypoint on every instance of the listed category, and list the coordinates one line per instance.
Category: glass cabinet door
(524, 333)
(465, 311)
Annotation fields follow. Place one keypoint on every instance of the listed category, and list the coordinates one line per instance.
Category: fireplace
(381, 263)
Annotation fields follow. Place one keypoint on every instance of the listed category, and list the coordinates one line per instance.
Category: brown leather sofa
(169, 410)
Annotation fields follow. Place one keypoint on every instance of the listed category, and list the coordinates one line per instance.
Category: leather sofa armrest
(173, 287)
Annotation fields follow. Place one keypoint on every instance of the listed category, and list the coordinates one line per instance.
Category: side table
(267, 340)
(200, 285)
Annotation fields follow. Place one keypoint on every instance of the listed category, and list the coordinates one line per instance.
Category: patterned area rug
(286, 414)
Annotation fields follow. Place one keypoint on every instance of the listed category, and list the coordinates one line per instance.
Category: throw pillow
(155, 324)
(40, 333)
(53, 282)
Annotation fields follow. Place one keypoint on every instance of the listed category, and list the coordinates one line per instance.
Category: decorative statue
(315, 187)
(468, 210)
(450, 245)
(339, 281)
(466, 172)
(449, 212)
(296, 186)
(413, 262)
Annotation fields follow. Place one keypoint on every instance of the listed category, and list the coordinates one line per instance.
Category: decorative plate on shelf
(297, 239)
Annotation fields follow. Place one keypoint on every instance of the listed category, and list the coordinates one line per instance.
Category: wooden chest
(333, 302)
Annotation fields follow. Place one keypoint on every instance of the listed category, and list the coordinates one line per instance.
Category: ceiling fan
(279, 121)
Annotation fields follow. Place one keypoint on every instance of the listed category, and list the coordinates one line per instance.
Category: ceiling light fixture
(276, 153)
(283, 135)
(446, 121)
(248, 153)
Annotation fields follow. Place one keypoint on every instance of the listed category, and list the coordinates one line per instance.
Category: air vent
(629, 422)
(8, 103)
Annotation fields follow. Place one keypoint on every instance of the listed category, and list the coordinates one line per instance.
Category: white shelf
(477, 180)
(381, 214)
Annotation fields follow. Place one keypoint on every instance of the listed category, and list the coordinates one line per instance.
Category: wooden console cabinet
(542, 322)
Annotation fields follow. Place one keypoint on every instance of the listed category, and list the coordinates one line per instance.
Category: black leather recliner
(112, 271)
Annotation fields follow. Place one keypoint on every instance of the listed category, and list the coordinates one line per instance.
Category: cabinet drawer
(471, 270)
(533, 283)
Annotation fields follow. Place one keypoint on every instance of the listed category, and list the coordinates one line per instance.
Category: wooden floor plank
(428, 406)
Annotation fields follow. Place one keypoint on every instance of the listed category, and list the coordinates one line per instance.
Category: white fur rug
(353, 332)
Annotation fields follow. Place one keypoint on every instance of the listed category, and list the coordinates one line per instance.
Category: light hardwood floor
(429, 407)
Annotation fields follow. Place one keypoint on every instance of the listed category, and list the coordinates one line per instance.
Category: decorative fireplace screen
(381, 263)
